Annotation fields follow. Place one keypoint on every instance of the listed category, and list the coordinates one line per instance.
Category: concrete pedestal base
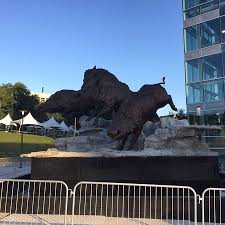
(199, 172)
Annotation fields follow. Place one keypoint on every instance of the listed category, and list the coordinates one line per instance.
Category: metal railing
(33, 202)
(52, 202)
(118, 203)
(213, 206)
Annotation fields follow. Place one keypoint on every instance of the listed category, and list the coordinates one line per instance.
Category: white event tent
(7, 120)
(64, 127)
(28, 120)
(71, 128)
(51, 123)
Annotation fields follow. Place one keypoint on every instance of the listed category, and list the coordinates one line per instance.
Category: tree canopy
(16, 97)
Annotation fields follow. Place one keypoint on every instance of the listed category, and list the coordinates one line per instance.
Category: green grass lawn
(10, 143)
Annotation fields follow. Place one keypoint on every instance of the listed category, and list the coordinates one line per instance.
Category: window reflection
(214, 117)
(207, 68)
(212, 67)
(204, 35)
(191, 38)
(203, 1)
(223, 28)
(193, 70)
(209, 6)
(222, 7)
(214, 91)
(191, 3)
(224, 61)
(194, 93)
(192, 12)
(210, 33)
(194, 119)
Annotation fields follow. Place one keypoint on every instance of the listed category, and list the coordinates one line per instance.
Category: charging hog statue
(103, 95)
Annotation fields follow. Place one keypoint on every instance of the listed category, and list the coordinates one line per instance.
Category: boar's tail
(163, 81)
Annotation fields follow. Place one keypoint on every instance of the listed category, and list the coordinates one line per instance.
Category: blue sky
(51, 43)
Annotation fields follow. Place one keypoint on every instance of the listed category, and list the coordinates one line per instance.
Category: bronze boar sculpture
(103, 95)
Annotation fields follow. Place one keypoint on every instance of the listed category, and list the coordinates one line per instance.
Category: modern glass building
(204, 46)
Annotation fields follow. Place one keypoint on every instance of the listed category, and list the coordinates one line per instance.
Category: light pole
(21, 142)
(75, 127)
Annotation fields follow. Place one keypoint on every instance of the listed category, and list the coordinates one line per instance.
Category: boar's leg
(121, 145)
(134, 138)
(154, 118)
(173, 107)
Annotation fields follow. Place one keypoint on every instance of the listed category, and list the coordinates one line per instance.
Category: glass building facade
(204, 47)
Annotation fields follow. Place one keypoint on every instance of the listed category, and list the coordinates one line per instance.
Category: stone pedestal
(167, 134)
(169, 153)
(198, 172)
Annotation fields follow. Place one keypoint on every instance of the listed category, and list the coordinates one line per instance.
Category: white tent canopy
(28, 120)
(50, 123)
(64, 127)
(71, 128)
(7, 120)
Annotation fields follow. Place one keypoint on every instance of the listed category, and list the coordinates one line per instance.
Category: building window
(194, 119)
(212, 67)
(204, 35)
(214, 117)
(222, 7)
(191, 38)
(192, 13)
(193, 71)
(210, 33)
(209, 6)
(196, 7)
(224, 59)
(214, 91)
(204, 1)
(194, 93)
(190, 3)
(223, 29)
(206, 68)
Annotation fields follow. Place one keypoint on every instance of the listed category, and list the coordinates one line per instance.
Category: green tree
(14, 98)
(180, 114)
(23, 100)
(6, 99)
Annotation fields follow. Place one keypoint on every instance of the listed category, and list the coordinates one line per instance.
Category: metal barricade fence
(33, 202)
(213, 206)
(122, 203)
(51, 202)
